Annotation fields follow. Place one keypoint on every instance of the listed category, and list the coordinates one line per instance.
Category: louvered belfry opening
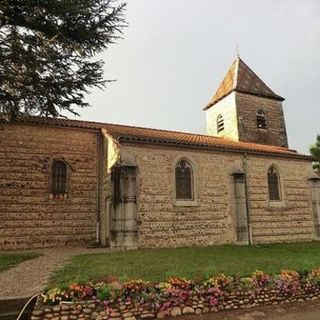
(184, 188)
(261, 120)
(273, 184)
(59, 178)
(220, 123)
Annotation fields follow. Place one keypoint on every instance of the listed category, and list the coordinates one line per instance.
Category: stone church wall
(289, 219)
(211, 219)
(161, 221)
(28, 217)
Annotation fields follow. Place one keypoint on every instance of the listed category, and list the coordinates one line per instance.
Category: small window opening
(261, 120)
(59, 179)
(184, 180)
(220, 123)
(273, 184)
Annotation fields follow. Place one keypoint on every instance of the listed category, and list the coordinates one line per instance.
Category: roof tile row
(125, 133)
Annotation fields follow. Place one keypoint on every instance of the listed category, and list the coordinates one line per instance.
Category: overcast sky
(176, 52)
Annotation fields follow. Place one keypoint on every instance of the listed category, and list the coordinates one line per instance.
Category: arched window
(184, 180)
(220, 123)
(274, 184)
(261, 120)
(59, 178)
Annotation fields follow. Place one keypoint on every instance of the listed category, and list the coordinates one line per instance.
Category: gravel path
(30, 277)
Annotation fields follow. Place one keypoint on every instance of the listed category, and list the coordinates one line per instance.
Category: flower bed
(138, 299)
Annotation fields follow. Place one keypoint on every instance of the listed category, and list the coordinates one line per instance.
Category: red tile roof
(241, 78)
(133, 134)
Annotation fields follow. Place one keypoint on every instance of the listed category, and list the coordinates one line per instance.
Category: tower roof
(241, 78)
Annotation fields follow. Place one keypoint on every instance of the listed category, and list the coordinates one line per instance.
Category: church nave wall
(211, 219)
(29, 216)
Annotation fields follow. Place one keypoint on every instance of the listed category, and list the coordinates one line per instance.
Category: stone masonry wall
(286, 220)
(211, 218)
(31, 219)
(164, 223)
(247, 108)
(194, 304)
(28, 217)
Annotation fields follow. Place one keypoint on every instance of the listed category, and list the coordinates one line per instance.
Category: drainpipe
(247, 198)
(99, 186)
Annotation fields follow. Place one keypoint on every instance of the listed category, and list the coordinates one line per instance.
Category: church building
(71, 182)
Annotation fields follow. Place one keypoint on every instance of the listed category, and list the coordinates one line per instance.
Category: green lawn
(9, 260)
(159, 264)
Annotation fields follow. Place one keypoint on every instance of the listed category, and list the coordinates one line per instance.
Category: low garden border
(138, 299)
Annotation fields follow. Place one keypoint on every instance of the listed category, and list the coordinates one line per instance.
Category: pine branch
(45, 48)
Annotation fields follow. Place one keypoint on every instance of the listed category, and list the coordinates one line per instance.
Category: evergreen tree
(47, 50)
(315, 152)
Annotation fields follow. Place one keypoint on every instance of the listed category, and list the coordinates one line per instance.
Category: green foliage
(9, 260)
(104, 292)
(47, 51)
(179, 291)
(315, 152)
(194, 262)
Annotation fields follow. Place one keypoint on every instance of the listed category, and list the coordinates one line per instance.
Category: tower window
(274, 184)
(59, 179)
(184, 180)
(220, 123)
(261, 120)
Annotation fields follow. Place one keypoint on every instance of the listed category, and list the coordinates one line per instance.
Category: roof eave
(210, 104)
(135, 140)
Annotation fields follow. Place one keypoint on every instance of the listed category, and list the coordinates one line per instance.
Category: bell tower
(244, 108)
